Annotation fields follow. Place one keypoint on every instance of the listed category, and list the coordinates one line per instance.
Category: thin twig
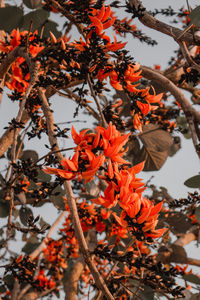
(69, 16)
(187, 56)
(33, 69)
(194, 135)
(99, 296)
(188, 5)
(104, 123)
(75, 97)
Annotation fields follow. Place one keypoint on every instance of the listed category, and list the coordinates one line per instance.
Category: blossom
(101, 19)
(112, 142)
(104, 147)
(18, 80)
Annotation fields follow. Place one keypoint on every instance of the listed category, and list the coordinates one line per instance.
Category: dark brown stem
(103, 120)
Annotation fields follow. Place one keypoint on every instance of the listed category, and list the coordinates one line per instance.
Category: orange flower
(108, 200)
(14, 40)
(94, 164)
(137, 122)
(112, 143)
(101, 19)
(113, 46)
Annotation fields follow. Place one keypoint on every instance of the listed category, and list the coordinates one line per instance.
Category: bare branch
(157, 25)
(193, 261)
(188, 57)
(71, 282)
(7, 138)
(186, 238)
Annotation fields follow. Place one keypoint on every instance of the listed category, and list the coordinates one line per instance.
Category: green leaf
(42, 176)
(51, 26)
(30, 247)
(192, 278)
(10, 18)
(29, 154)
(24, 214)
(197, 214)
(57, 199)
(195, 16)
(38, 17)
(4, 209)
(147, 294)
(33, 239)
(193, 182)
(32, 3)
(178, 222)
(183, 126)
(2, 289)
(178, 255)
(43, 223)
(175, 147)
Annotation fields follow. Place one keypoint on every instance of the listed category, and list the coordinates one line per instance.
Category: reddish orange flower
(113, 46)
(101, 19)
(108, 200)
(70, 168)
(112, 143)
(94, 164)
(18, 81)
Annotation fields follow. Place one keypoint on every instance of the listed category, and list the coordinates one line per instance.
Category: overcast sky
(178, 168)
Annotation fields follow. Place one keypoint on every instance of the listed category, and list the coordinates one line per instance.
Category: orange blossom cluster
(103, 151)
(17, 80)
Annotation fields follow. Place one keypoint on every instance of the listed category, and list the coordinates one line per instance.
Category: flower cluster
(20, 77)
(123, 74)
(101, 153)
(44, 282)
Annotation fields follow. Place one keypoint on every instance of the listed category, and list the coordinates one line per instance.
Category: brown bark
(151, 22)
(30, 296)
(71, 282)
(173, 89)
(173, 253)
(7, 138)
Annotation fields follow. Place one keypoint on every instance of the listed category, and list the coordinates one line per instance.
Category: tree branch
(151, 22)
(72, 203)
(173, 89)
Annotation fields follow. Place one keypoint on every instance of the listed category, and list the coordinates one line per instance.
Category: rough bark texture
(71, 280)
(7, 138)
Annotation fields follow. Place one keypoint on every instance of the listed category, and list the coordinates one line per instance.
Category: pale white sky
(178, 168)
